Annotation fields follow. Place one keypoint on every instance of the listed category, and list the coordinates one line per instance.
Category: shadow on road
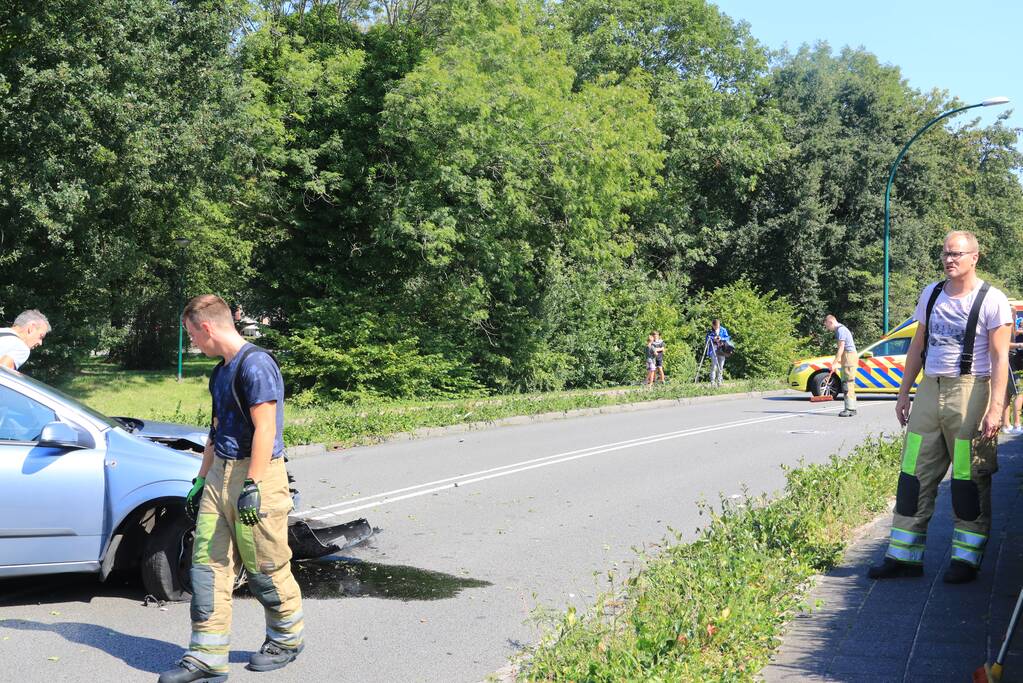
(143, 654)
(60, 588)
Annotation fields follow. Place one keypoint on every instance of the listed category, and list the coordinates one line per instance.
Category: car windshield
(78, 405)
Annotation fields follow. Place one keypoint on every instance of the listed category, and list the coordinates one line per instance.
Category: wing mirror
(63, 435)
(867, 354)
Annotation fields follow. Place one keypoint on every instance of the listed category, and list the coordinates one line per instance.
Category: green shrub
(763, 327)
(348, 359)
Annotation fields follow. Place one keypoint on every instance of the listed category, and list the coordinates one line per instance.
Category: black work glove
(194, 497)
(248, 503)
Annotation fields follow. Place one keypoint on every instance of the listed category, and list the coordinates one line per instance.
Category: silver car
(83, 492)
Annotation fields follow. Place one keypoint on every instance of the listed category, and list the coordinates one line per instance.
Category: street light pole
(182, 243)
(891, 178)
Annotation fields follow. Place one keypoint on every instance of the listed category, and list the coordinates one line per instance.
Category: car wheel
(167, 559)
(818, 381)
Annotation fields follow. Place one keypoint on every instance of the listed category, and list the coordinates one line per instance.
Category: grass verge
(360, 423)
(158, 396)
(713, 609)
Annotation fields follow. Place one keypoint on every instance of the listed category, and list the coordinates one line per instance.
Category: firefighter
(846, 358)
(241, 502)
(962, 344)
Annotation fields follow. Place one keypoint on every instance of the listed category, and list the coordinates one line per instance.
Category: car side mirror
(867, 354)
(62, 435)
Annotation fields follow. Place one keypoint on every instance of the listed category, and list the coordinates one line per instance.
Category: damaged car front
(83, 492)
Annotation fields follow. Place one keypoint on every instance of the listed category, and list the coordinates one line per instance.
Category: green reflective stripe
(210, 649)
(204, 529)
(907, 537)
(910, 453)
(971, 557)
(969, 539)
(911, 546)
(961, 460)
(905, 554)
(246, 547)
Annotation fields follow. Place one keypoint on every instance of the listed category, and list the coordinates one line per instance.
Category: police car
(881, 365)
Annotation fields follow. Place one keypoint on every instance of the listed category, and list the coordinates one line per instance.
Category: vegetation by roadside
(713, 609)
(158, 396)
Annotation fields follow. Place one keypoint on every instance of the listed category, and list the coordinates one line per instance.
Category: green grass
(158, 396)
(713, 609)
(144, 394)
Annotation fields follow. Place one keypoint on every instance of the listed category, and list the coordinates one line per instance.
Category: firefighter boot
(893, 569)
(273, 656)
(189, 670)
(959, 572)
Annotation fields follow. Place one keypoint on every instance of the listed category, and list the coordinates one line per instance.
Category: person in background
(845, 357)
(718, 343)
(658, 346)
(18, 340)
(1014, 402)
(651, 360)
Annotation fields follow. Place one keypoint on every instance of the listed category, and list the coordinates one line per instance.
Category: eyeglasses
(954, 255)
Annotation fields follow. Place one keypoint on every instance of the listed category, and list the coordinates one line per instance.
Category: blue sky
(970, 49)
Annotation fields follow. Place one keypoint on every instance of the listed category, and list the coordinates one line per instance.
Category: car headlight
(800, 368)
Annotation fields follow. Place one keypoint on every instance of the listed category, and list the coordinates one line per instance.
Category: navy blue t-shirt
(261, 382)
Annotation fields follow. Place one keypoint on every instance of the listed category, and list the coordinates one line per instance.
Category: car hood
(817, 360)
(178, 436)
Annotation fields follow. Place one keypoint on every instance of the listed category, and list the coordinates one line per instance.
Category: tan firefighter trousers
(944, 428)
(850, 366)
(221, 542)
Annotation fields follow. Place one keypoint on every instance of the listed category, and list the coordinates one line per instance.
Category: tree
(119, 121)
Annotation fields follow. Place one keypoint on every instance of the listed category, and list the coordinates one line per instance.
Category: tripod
(699, 366)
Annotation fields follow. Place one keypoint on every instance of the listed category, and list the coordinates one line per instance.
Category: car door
(51, 499)
(882, 365)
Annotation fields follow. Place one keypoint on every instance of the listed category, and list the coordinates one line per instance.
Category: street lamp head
(991, 101)
(182, 241)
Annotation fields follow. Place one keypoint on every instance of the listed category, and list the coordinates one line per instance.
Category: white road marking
(427, 488)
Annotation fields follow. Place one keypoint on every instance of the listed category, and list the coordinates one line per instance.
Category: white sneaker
(1008, 430)
(1017, 430)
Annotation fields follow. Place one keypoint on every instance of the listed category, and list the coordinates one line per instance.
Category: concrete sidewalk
(917, 629)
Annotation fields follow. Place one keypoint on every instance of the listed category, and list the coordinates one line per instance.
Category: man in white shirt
(18, 340)
(962, 342)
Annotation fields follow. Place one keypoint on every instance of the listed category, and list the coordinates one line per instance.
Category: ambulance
(881, 367)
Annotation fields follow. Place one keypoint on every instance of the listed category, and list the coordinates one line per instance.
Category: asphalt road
(477, 531)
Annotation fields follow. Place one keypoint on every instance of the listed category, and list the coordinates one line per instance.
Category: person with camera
(847, 359)
(718, 348)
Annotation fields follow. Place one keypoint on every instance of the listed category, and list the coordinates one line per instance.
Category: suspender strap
(213, 396)
(927, 316)
(237, 389)
(966, 360)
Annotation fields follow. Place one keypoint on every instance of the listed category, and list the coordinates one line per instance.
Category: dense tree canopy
(497, 194)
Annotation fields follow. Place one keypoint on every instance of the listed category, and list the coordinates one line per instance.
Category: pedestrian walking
(240, 501)
(718, 347)
(18, 340)
(846, 358)
(962, 343)
(659, 347)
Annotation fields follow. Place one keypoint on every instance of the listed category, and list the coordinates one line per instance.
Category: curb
(312, 449)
